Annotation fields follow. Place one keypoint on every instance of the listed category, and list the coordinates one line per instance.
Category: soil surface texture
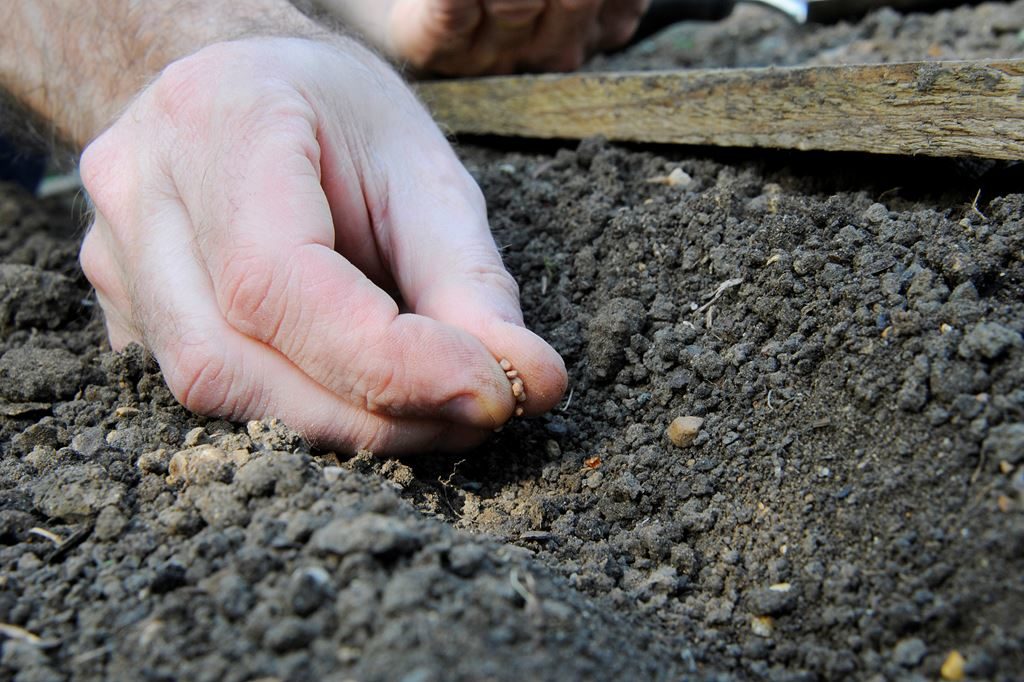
(846, 499)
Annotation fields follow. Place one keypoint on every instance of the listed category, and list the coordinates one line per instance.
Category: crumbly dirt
(848, 327)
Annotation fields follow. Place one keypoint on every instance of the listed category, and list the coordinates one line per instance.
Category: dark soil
(849, 327)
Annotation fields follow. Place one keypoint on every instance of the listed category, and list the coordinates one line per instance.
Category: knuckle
(183, 89)
(92, 163)
(203, 378)
(95, 262)
(104, 174)
(496, 277)
(245, 290)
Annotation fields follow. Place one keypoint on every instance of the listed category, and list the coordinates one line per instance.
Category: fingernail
(469, 409)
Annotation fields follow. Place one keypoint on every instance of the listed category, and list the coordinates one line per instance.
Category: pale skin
(279, 221)
(473, 37)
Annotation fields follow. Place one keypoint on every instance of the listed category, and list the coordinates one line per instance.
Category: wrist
(60, 60)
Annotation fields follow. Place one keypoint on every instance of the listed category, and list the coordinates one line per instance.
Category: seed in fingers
(518, 387)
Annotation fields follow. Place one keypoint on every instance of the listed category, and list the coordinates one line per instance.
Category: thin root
(48, 534)
(974, 206)
(717, 293)
(525, 591)
(568, 401)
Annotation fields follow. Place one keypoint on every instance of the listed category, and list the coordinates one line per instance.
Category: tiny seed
(521, 398)
(517, 387)
(520, 412)
(512, 373)
(505, 364)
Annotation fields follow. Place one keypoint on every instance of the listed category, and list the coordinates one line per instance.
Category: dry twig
(717, 293)
(19, 633)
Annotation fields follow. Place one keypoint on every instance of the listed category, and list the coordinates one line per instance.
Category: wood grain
(969, 108)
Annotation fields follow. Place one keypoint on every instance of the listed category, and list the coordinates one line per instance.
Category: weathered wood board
(970, 108)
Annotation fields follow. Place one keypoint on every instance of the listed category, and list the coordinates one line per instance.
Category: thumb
(449, 269)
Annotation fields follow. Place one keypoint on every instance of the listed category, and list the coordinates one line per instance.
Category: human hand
(254, 207)
(473, 37)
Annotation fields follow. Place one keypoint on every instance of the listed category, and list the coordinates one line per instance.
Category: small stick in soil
(64, 548)
(48, 534)
(12, 631)
(974, 207)
(527, 591)
(446, 483)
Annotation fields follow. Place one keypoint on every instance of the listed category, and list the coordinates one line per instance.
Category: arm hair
(73, 66)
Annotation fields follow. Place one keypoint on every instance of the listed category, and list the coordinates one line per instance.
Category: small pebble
(677, 178)
(683, 430)
(953, 666)
(512, 374)
(201, 464)
(505, 364)
(763, 626)
(194, 437)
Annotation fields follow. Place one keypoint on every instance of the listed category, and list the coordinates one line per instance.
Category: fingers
(214, 369)
(278, 280)
(448, 269)
(424, 32)
(509, 23)
(475, 37)
(566, 35)
(465, 300)
(107, 278)
(224, 260)
(456, 37)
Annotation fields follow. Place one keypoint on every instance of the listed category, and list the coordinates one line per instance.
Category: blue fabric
(20, 167)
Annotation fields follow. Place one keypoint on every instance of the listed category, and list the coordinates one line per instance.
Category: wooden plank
(969, 108)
